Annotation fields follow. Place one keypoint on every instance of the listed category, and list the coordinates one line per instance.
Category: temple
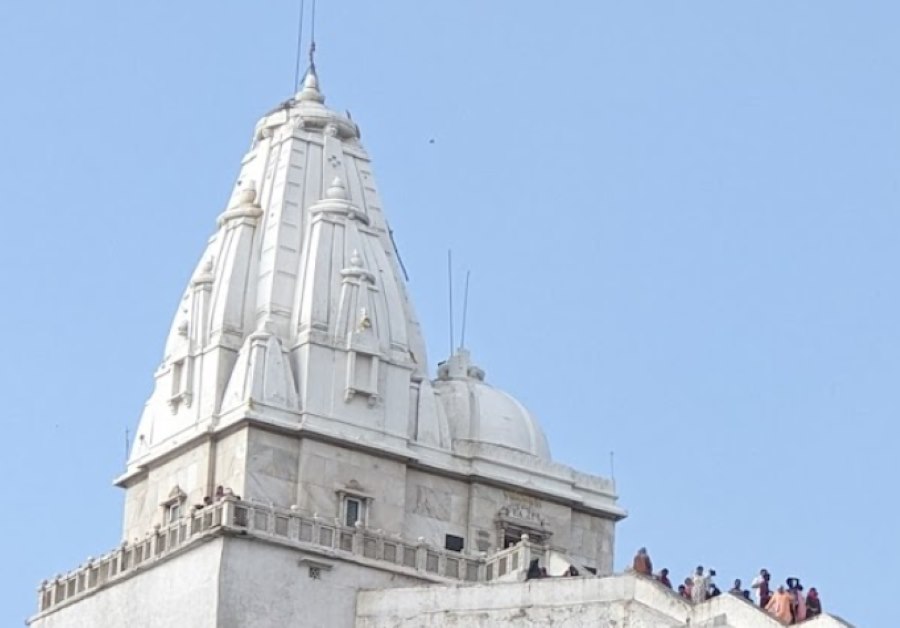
(296, 464)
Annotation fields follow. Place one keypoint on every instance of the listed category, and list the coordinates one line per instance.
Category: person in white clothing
(699, 586)
(761, 585)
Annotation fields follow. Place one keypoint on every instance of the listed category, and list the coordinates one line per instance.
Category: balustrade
(512, 562)
(266, 521)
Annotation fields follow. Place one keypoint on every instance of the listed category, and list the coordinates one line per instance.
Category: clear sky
(681, 219)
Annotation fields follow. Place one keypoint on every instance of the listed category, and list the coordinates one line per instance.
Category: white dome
(479, 414)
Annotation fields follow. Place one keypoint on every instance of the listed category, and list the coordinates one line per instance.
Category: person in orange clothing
(779, 606)
(642, 564)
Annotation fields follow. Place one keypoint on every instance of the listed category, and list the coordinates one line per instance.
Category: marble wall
(327, 472)
(231, 582)
(265, 585)
(145, 498)
(272, 468)
(181, 591)
(435, 507)
(609, 602)
(283, 469)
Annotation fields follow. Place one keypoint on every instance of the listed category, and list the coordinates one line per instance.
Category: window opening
(353, 511)
(173, 512)
(177, 375)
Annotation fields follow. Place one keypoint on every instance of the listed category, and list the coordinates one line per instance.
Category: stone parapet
(329, 537)
(131, 558)
(621, 600)
(323, 536)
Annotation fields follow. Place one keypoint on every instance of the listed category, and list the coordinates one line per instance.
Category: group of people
(788, 604)
(536, 572)
(220, 494)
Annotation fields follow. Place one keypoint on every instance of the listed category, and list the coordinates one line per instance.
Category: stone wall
(260, 567)
(265, 585)
(181, 591)
(231, 582)
(272, 468)
(146, 495)
(435, 507)
(285, 470)
(569, 602)
(328, 471)
(609, 602)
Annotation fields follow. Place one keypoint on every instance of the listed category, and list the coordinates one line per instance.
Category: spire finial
(310, 89)
(312, 38)
(299, 47)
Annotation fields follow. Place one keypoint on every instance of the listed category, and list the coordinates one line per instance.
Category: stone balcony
(328, 542)
(322, 536)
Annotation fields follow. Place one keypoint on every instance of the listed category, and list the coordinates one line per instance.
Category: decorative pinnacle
(310, 91)
(336, 190)
(248, 193)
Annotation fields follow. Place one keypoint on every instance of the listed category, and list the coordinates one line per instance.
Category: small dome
(481, 414)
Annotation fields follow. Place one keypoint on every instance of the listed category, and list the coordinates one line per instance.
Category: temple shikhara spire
(298, 465)
(297, 313)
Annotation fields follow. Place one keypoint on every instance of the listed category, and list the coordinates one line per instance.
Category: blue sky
(681, 220)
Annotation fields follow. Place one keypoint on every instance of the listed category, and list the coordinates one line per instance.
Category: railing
(128, 558)
(359, 541)
(288, 526)
(511, 563)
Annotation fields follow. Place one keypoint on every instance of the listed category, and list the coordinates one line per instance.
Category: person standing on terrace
(779, 606)
(761, 584)
(663, 578)
(642, 563)
(798, 602)
(813, 604)
(699, 586)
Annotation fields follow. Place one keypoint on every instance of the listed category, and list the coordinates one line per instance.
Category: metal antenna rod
(299, 47)
(312, 36)
(127, 439)
(450, 290)
(462, 340)
(397, 251)
(612, 465)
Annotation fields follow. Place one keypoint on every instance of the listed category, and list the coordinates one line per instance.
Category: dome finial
(459, 366)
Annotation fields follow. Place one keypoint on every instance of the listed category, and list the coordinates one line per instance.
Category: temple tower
(294, 449)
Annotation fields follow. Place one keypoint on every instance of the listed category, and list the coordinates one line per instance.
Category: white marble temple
(295, 450)
(295, 368)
